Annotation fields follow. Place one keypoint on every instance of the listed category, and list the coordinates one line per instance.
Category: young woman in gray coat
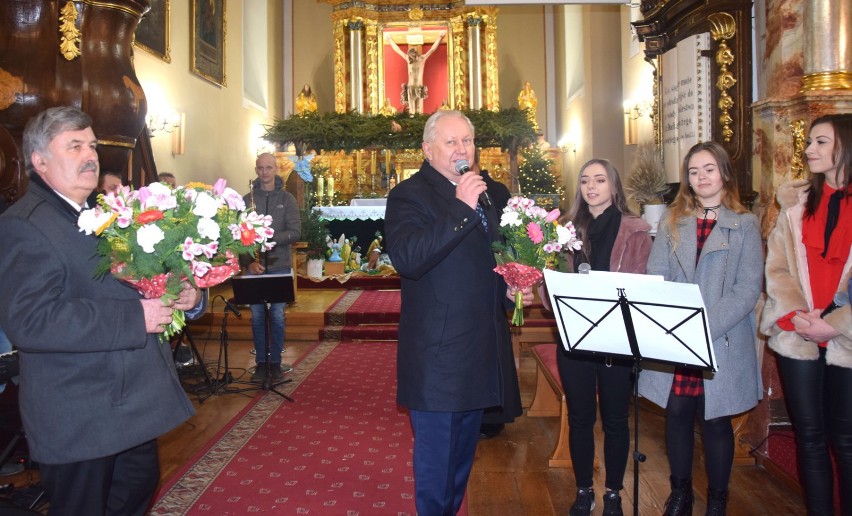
(708, 238)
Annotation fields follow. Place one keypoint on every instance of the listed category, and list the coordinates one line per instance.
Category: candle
(330, 189)
(319, 188)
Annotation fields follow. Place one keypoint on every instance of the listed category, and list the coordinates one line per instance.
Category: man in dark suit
(97, 385)
(453, 320)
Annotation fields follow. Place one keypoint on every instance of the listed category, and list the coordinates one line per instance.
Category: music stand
(662, 321)
(265, 289)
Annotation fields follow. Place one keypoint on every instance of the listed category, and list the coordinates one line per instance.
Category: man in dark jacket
(453, 323)
(270, 198)
(97, 384)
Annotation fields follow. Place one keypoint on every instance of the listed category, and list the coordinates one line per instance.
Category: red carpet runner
(363, 315)
(343, 447)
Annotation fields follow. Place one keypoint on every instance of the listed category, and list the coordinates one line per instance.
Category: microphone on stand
(233, 309)
(839, 300)
(462, 166)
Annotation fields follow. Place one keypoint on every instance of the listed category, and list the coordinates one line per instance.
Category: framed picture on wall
(152, 33)
(207, 49)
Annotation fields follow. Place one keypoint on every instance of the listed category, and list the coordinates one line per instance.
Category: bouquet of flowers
(155, 238)
(534, 241)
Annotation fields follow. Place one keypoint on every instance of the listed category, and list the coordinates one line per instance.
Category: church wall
(219, 127)
(603, 104)
(313, 47)
(521, 57)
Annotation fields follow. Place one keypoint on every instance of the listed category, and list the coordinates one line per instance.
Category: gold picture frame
(207, 44)
(154, 29)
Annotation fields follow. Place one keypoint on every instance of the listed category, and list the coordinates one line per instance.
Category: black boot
(717, 502)
(681, 500)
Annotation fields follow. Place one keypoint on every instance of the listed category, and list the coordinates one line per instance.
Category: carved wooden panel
(666, 22)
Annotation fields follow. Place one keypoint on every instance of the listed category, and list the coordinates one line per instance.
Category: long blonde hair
(686, 203)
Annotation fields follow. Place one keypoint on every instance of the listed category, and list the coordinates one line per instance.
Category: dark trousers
(819, 398)
(717, 434)
(444, 447)
(120, 485)
(586, 381)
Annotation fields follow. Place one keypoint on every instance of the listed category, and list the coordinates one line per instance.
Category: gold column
(827, 45)
(372, 56)
(492, 86)
(458, 64)
(339, 70)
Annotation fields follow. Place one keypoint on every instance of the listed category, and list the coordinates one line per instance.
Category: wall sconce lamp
(567, 144)
(633, 111)
(173, 123)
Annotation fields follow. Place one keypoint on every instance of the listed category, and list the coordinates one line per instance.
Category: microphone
(233, 309)
(462, 166)
(584, 268)
(840, 299)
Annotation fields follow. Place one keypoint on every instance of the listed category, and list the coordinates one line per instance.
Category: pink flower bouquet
(534, 241)
(155, 237)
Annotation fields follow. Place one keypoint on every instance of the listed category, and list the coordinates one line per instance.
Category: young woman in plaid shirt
(710, 239)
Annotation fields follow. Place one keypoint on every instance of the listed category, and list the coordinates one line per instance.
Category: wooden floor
(510, 475)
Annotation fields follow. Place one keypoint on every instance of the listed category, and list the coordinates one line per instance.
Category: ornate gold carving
(722, 28)
(841, 80)
(655, 111)
(458, 63)
(10, 87)
(339, 67)
(371, 44)
(69, 43)
(415, 14)
(797, 165)
(492, 86)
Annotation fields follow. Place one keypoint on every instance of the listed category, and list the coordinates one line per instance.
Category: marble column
(474, 59)
(356, 65)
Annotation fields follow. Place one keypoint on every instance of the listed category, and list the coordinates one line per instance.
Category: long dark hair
(842, 155)
(579, 213)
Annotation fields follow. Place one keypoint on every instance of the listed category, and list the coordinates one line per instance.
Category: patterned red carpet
(363, 315)
(343, 447)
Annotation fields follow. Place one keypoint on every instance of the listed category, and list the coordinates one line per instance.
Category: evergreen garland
(509, 129)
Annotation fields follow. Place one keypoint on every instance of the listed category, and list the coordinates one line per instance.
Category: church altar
(361, 222)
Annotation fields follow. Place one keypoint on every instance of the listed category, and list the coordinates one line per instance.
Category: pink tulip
(219, 186)
(553, 215)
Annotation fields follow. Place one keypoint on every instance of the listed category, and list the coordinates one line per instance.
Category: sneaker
(279, 370)
(584, 504)
(612, 504)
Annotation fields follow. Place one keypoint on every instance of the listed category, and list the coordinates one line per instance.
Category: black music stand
(265, 289)
(662, 322)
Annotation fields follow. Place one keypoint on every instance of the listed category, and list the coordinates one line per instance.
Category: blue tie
(481, 213)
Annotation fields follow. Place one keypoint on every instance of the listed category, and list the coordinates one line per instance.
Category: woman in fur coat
(708, 238)
(807, 272)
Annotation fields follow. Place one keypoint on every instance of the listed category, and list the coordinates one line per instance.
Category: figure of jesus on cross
(414, 91)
